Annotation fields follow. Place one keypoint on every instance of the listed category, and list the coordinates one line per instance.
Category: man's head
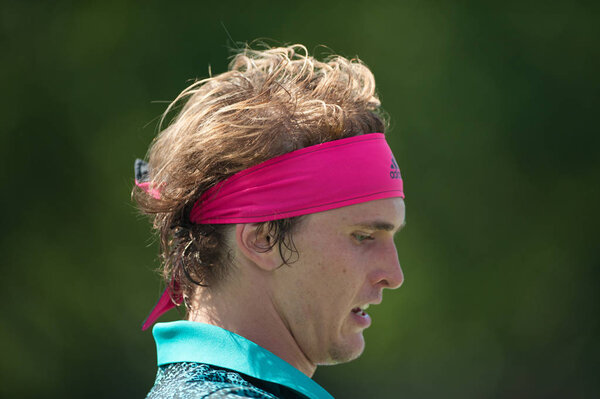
(270, 103)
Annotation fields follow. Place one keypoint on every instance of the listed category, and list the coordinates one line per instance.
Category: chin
(343, 352)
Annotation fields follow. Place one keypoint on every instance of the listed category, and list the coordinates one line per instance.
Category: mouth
(361, 317)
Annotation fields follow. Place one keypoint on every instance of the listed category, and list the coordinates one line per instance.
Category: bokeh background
(494, 112)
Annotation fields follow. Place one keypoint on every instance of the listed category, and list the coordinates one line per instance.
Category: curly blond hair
(268, 103)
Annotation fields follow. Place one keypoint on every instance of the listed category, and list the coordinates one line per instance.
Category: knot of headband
(313, 179)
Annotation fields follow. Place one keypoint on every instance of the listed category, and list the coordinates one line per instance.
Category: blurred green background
(494, 113)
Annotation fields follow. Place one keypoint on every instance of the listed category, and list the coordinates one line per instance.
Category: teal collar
(188, 341)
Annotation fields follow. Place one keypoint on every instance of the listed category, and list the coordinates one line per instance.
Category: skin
(303, 312)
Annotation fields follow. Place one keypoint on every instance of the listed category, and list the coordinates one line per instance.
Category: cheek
(332, 267)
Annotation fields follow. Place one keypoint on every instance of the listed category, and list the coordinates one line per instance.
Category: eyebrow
(379, 226)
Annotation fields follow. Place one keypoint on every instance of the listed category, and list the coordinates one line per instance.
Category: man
(276, 198)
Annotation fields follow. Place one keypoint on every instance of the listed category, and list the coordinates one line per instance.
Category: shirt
(198, 360)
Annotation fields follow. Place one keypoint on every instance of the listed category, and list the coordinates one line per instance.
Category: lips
(360, 317)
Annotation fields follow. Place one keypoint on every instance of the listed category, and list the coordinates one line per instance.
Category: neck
(252, 315)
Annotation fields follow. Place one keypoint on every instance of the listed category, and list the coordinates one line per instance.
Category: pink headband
(313, 179)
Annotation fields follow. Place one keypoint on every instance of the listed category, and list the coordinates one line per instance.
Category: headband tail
(142, 178)
(164, 304)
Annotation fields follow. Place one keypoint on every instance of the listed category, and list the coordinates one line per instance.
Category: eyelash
(362, 237)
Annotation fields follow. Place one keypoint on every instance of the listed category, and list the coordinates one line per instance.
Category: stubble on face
(343, 353)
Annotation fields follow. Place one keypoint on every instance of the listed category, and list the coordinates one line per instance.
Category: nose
(389, 273)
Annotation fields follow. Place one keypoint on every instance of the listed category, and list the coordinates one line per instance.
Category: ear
(256, 246)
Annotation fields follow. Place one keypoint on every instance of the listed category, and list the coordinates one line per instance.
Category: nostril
(388, 278)
(395, 277)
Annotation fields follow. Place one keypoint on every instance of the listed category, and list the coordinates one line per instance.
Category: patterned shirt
(198, 380)
(198, 360)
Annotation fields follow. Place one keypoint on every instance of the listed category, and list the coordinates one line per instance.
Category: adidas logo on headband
(395, 172)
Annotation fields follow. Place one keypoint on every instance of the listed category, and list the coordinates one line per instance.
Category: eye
(360, 237)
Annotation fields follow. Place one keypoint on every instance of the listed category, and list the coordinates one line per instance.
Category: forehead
(388, 211)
